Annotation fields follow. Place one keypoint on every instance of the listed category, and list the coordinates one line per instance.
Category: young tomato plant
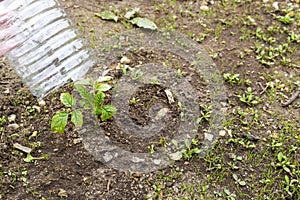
(90, 100)
(60, 119)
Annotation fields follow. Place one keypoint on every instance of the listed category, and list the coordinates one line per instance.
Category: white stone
(77, 140)
(276, 5)
(125, 60)
(222, 133)
(42, 103)
(176, 156)
(204, 8)
(14, 126)
(37, 108)
(12, 118)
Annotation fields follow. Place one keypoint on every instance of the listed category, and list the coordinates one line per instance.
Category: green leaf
(28, 158)
(287, 180)
(175, 143)
(144, 23)
(235, 177)
(83, 82)
(286, 169)
(102, 87)
(107, 15)
(67, 99)
(130, 14)
(104, 79)
(99, 98)
(86, 95)
(242, 183)
(76, 118)
(197, 150)
(59, 122)
(279, 156)
(227, 192)
(107, 111)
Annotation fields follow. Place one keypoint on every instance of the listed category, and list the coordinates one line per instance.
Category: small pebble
(204, 8)
(176, 156)
(12, 118)
(37, 108)
(22, 148)
(34, 134)
(276, 5)
(42, 103)
(77, 140)
(13, 126)
(6, 91)
(222, 133)
(125, 60)
(229, 133)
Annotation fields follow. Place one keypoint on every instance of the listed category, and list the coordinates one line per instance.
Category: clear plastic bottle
(46, 49)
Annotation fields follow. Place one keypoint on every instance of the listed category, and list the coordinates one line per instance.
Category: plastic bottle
(45, 48)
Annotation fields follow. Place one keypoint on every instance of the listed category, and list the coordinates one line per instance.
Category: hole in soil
(151, 94)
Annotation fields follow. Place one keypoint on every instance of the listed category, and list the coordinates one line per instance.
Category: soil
(66, 170)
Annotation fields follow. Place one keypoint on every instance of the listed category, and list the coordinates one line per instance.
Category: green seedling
(249, 98)
(60, 119)
(284, 163)
(237, 180)
(134, 101)
(151, 148)
(205, 114)
(2, 120)
(232, 78)
(229, 195)
(180, 73)
(291, 185)
(128, 17)
(29, 158)
(190, 149)
(285, 19)
(90, 100)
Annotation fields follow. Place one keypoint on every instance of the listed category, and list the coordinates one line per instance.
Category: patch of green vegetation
(90, 100)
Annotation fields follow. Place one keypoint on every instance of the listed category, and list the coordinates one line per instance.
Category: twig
(4, 83)
(108, 185)
(263, 88)
(292, 99)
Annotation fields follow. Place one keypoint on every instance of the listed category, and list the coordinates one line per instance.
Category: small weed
(285, 163)
(190, 149)
(238, 180)
(151, 148)
(2, 121)
(232, 78)
(134, 101)
(249, 98)
(205, 113)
